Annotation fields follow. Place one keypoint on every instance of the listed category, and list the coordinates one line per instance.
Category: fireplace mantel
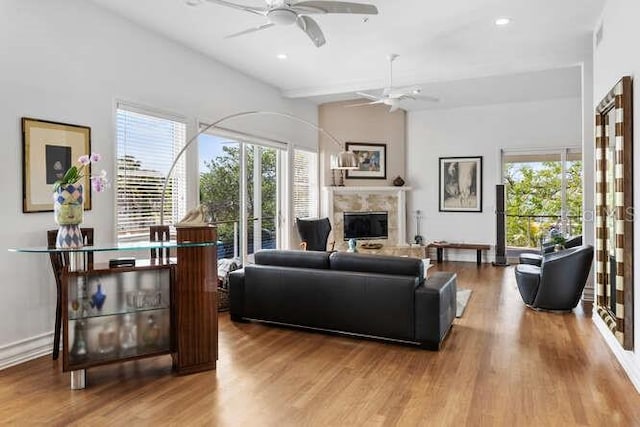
(362, 199)
(357, 189)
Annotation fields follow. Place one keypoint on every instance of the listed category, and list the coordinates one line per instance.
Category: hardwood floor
(502, 364)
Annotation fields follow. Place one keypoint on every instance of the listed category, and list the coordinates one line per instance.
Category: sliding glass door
(240, 184)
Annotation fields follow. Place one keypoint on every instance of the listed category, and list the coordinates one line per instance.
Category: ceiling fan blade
(361, 104)
(426, 98)
(368, 96)
(398, 95)
(312, 29)
(257, 10)
(250, 30)
(337, 7)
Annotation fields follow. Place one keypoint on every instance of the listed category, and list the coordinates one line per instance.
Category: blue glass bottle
(97, 299)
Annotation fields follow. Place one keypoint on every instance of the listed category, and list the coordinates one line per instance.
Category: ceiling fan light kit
(281, 16)
(287, 12)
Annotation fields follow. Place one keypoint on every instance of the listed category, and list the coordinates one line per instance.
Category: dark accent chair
(558, 282)
(548, 248)
(59, 260)
(314, 233)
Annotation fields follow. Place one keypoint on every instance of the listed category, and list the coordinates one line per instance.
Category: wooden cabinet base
(195, 302)
(192, 369)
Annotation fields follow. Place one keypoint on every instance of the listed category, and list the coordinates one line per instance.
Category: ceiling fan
(288, 12)
(392, 96)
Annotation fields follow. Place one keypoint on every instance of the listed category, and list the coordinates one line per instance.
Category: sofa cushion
(346, 261)
(286, 258)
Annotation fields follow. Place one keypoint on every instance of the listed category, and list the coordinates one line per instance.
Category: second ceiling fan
(286, 12)
(393, 96)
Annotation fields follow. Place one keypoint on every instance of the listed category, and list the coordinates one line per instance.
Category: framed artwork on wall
(372, 160)
(48, 150)
(460, 184)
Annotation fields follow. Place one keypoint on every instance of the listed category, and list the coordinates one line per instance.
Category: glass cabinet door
(114, 315)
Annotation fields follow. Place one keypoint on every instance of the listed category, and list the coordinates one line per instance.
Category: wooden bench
(441, 246)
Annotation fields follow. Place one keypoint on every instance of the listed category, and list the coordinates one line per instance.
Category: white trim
(238, 136)
(150, 111)
(541, 150)
(626, 358)
(25, 350)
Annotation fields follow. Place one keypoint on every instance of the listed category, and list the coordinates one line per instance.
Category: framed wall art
(460, 184)
(48, 150)
(372, 160)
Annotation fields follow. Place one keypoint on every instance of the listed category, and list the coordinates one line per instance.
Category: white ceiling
(450, 48)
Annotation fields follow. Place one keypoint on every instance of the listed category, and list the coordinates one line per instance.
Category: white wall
(615, 57)
(478, 131)
(68, 61)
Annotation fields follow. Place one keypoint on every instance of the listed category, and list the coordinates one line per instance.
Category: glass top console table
(134, 311)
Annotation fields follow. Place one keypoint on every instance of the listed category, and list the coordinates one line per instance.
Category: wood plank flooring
(501, 365)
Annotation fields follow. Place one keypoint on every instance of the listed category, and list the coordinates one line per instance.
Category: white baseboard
(25, 350)
(625, 357)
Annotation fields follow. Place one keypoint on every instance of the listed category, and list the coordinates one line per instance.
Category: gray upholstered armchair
(558, 282)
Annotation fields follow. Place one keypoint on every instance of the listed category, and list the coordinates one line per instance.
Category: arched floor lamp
(343, 160)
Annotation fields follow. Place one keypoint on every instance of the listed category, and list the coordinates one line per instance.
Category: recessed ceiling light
(193, 2)
(501, 22)
(282, 56)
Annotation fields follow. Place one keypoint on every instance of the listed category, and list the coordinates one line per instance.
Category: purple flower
(84, 160)
(75, 173)
(100, 182)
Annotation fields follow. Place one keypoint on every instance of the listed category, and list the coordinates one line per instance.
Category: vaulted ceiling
(444, 46)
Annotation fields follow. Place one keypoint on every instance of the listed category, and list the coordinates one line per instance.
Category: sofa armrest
(236, 294)
(435, 308)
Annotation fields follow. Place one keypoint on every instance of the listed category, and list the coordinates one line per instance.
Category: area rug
(462, 298)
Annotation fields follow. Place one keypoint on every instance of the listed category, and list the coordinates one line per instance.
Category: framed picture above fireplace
(372, 160)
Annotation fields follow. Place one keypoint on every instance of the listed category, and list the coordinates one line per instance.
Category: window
(543, 190)
(305, 184)
(147, 144)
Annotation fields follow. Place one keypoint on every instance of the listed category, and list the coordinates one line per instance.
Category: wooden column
(195, 302)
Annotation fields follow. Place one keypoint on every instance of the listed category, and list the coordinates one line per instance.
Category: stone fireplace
(338, 200)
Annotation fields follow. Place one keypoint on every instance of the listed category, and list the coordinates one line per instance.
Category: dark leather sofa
(368, 295)
(556, 284)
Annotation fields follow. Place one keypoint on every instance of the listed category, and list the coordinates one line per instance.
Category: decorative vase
(558, 247)
(79, 347)
(353, 246)
(97, 299)
(107, 339)
(398, 182)
(68, 211)
(151, 333)
(128, 333)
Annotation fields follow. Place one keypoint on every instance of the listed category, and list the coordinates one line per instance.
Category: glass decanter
(128, 333)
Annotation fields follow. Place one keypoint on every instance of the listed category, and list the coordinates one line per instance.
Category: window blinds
(147, 144)
(305, 184)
